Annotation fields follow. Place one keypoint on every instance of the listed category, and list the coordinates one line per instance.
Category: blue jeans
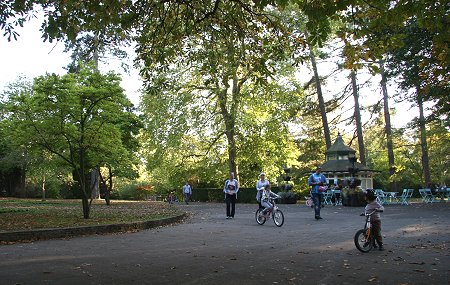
(186, 195)
(317, 200)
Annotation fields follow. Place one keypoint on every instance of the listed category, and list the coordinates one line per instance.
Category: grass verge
(27, 214)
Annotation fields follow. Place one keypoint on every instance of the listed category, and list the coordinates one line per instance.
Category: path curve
(209, 249)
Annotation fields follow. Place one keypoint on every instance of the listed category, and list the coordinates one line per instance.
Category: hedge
(245, 195)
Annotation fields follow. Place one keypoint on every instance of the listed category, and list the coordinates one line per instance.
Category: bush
(70, 190)
(287, 198)
(133, 191)
(245, 195)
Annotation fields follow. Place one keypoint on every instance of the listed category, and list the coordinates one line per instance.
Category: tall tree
(357, 115)
(405, 62)
(383, 27)
(235, 47)
(323, 112)
(388, 127)
(73, 117)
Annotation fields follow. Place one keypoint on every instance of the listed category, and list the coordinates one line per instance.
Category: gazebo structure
(341, 165)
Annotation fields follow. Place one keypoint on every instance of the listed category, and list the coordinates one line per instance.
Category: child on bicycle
(265, 199)
(375, 219)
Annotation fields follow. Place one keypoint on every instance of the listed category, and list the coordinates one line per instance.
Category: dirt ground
(209, 249)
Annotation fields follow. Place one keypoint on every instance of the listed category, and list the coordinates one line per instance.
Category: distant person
(375, 219)
(187, 191)
(231, 188)
(170, 197)
(260, 184)
(316, 180)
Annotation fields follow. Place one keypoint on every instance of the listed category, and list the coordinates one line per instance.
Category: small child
(375, 219)
(170, 198)
(265, 199)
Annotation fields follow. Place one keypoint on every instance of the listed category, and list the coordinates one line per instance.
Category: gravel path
(209, 249)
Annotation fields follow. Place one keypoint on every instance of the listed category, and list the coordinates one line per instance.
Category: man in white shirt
(187, 191)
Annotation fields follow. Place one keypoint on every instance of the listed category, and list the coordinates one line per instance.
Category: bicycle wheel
(259, 217)
(278, 218)
(363, 241)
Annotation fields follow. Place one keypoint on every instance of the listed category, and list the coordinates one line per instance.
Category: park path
(208, 249)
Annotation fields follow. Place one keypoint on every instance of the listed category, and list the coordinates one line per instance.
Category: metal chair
(327, 197)
(338, 198)
(406, 196)
(430, 197)
(423, 195)
(381, 197)
(427, 196)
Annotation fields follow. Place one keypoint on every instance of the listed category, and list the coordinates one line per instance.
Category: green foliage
(416, 67)
(408, 165)
(202, 122)
(129, 192)
(218, 88)
(77, 119)
(287, 197)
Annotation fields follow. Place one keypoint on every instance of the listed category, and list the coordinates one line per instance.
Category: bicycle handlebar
(369, 214)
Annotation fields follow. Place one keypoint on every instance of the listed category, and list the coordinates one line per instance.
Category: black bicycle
(364, 238)
(276, 214)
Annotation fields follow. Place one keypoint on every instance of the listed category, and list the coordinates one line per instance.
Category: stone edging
(54, 233)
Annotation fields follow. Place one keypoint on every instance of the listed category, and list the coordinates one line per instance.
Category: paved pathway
(208, 249)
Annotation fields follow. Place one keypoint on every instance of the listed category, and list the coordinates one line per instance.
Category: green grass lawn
(24, 214)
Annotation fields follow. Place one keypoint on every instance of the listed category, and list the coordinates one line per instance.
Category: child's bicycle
(364, 238)
(277, 215)
(309, 202)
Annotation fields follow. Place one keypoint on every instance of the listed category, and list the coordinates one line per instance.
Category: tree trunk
(86, 207)
(95, 55)
(105, 188)
(423, 140)
(388, 129)
(229, 118)
(22, 186)
(323, 112)
(362, 151)
(82, 175)
(43, 187)
(110, 186)
(94, 183)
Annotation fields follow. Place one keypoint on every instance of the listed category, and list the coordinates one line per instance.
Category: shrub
(287, 198)
(133, 191)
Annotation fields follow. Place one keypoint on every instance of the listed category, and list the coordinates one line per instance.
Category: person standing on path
(316, 180)
(260, 184)
(187, 191)
(231, 188)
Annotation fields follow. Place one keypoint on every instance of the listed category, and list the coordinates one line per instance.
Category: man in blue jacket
(316, 180)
